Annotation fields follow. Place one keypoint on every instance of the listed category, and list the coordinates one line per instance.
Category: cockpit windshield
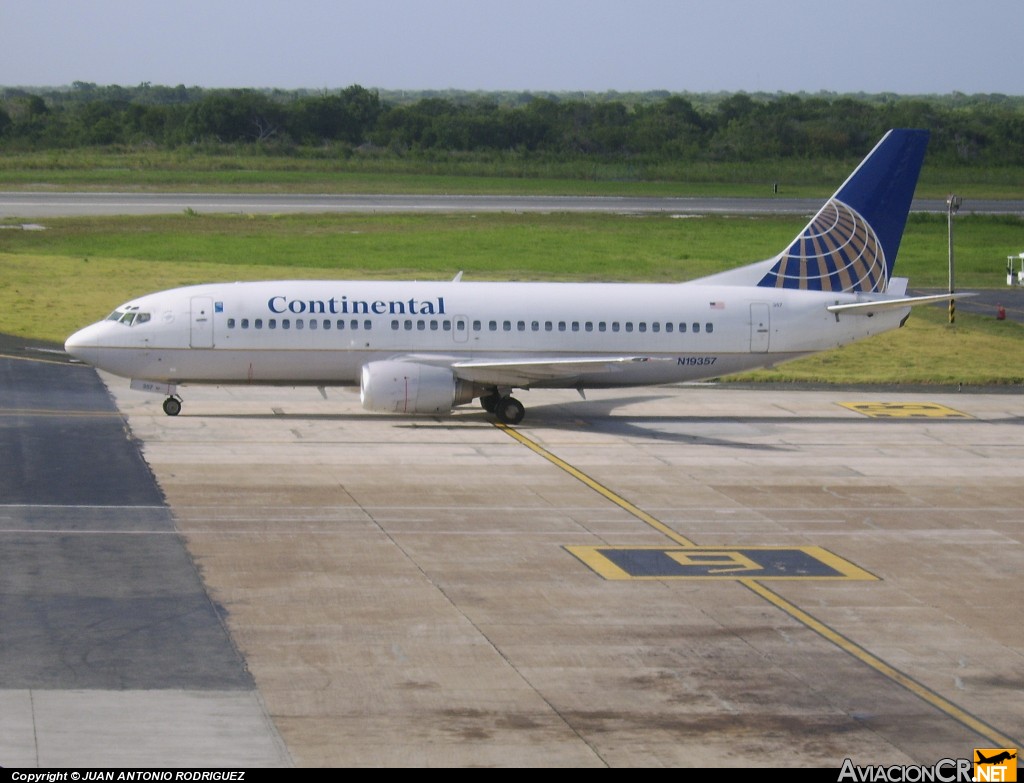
(129, 315)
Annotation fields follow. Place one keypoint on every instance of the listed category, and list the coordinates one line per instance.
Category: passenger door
(202, 322)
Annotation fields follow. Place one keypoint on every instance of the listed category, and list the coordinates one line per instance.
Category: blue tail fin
(852, 242)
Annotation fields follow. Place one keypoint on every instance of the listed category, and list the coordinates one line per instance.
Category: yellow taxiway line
(989, 733)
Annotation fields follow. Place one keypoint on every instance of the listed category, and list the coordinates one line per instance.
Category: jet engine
(407, 387)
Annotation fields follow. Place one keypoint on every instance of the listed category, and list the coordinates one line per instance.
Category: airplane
(1003, 756)
(428, 347)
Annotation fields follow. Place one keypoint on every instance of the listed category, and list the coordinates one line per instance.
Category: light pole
(953, 204)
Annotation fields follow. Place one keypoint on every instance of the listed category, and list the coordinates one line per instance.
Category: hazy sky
(901, 46)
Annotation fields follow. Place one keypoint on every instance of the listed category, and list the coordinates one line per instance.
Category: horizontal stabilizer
(870, 308)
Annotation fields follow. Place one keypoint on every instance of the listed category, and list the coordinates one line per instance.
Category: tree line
(982, 129)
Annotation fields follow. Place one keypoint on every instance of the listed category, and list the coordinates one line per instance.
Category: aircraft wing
(523, 372)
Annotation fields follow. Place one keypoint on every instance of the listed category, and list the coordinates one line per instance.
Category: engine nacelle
(407, 387)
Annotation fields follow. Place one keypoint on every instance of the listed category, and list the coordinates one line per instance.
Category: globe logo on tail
(838, 251)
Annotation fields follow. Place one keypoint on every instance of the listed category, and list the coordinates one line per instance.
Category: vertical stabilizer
(851, 244)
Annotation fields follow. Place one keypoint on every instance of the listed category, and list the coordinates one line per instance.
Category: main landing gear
(172, 405)
(508, 409)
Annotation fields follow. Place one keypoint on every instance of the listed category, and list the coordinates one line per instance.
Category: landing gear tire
(172, 406)
(489, 402)
(509, 410)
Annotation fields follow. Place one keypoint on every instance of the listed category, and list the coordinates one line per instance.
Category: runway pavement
(41, 205)
(590, 589)
(112, 652)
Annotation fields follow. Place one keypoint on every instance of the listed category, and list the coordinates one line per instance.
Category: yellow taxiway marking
(991, 734)
(921, 691)
(717, 563)
(621, 502)
(60, 413)
(44, 360)
(904, 410)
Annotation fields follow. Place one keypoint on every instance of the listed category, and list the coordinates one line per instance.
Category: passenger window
(548, 326)
(642, 326)
(312, 323)
(421, 326)
(231, 323)
(696, 327)
(286, 323)
(575, 326)
(492, 325)
(615, 326)
(561, 326)
(367, 325)
(655, 327)
(709, 327)
(629, 326)
(682, 328)
(520, 326)
(506, 326)
(258, 323)
(340, 324)
(477, 326)
(272, 323)
(668, 327)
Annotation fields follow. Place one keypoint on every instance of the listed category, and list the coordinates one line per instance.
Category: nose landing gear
(172, 405)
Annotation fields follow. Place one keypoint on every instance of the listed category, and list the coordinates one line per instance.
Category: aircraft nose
(77, 343)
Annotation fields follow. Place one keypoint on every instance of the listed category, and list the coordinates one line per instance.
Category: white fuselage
(324, 332)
